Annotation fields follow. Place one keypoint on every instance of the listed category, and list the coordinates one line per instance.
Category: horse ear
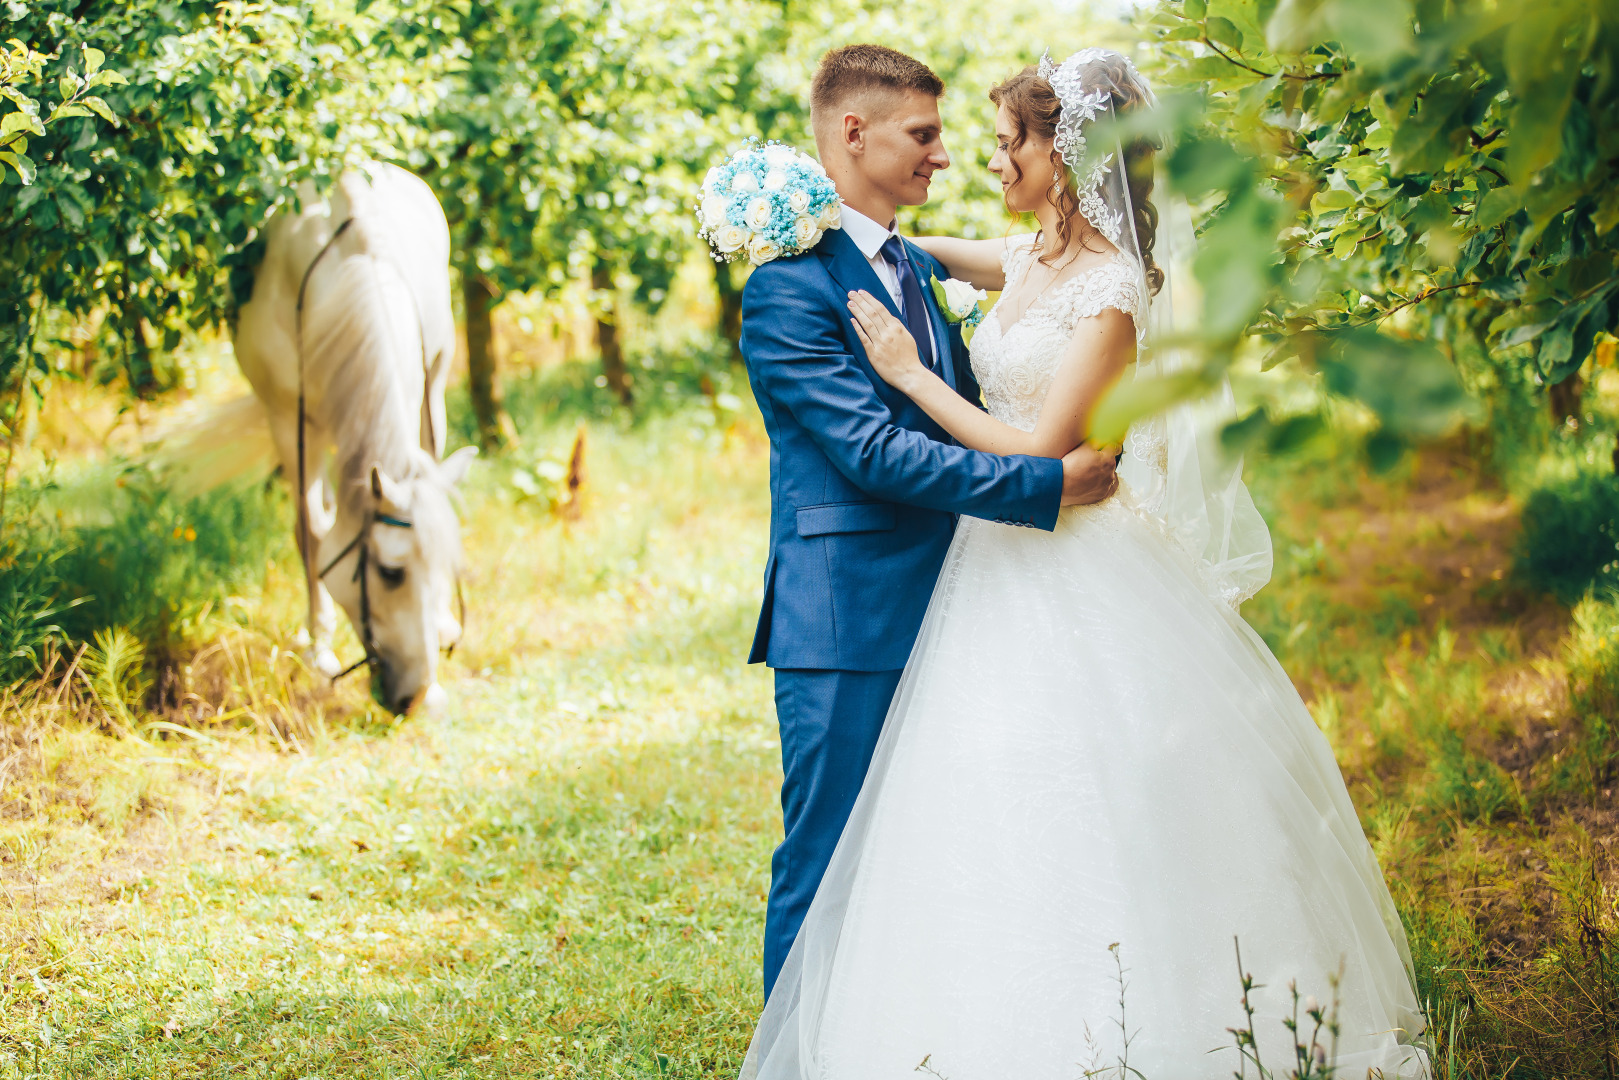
(454, 468)
(387, 490)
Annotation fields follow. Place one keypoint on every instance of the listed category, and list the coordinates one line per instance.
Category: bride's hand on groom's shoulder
(1089, 475)
(889, 345)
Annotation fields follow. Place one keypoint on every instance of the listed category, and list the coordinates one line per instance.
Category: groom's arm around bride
(865, 487)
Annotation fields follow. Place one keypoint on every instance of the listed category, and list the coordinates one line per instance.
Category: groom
(864, 487)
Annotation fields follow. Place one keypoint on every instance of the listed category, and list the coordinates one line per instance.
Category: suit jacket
(864, 486)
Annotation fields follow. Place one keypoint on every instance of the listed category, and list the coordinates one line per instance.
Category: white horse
(369, 354)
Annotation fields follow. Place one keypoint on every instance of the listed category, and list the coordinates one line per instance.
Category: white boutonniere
(960, 302)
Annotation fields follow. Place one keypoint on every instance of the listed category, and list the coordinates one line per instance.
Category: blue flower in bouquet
(765, 201)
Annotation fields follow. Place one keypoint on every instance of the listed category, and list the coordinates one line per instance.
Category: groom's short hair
(860, 70)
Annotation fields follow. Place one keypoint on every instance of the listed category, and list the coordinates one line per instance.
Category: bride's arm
(1097, 354)
(977, 262)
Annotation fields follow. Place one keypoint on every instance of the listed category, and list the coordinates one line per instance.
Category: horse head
(397, 577)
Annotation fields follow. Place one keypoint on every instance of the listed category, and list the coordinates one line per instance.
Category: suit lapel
(850, 268)
(941, 329)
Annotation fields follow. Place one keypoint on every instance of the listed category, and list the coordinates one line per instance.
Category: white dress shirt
(870, 237)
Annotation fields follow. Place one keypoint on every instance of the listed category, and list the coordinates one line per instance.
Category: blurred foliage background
(1406, 214)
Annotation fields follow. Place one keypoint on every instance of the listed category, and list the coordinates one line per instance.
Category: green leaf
(20, 121)
(1422, 143)
(67, 85)
(1542, 73)
(63, 112)
(1329, 199)
(1224, 32)
(1411, 387)
(1518, 335)
(1194, 9)
(99, 107)
(1607, 211)
(21, 163)
(1496, 207)
(1132, 399)
(93, 59)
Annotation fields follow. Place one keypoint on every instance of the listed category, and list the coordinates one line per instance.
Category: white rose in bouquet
(768, 225)
(758, 215)
(805, 231)
(761, 249)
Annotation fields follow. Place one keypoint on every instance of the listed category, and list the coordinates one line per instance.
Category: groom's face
(903, 146)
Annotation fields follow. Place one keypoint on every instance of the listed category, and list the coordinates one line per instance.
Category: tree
(1391, 184)
(152, 217)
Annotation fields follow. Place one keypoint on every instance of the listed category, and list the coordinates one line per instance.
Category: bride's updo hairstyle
(1034, 109)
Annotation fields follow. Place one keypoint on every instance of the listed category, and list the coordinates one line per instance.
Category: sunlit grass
(564, 875)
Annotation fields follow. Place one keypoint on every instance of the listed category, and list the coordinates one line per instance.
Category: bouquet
(766, 201)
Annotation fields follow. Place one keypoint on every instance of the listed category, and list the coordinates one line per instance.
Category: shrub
(1569, 531)
(127, 553)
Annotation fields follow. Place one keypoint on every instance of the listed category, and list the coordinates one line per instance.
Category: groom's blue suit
(864, 493)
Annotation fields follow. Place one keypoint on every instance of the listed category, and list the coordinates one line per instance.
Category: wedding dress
(1089, 747)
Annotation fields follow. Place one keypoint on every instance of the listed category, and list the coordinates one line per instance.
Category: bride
(1089, 747)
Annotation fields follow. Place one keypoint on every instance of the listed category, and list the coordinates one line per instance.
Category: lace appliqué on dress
(1015, 367)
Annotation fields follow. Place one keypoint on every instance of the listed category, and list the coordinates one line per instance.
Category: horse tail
(215, 444)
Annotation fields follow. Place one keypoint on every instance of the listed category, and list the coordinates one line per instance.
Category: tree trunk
(481, 379)
(730, 309)
(607, 343)
(138, 367)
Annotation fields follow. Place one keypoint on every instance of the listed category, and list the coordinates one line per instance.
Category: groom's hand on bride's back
(1088, 475)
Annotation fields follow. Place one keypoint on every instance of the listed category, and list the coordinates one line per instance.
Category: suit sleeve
(794, 343)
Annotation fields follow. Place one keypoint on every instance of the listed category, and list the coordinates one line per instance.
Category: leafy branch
(20, 67)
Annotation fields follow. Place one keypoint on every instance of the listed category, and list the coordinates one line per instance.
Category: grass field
(565, 874)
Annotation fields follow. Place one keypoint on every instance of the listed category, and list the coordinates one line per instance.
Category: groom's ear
(853, 133)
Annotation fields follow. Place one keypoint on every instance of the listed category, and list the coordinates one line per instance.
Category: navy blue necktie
(912, 308)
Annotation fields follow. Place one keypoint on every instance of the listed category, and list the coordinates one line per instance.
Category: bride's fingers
(876, 316)
(860, 332)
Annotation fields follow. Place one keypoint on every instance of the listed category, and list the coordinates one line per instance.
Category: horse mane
(353, 355)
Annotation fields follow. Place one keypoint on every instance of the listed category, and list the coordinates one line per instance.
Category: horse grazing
(347, 340)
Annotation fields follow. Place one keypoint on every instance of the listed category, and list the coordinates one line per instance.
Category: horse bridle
(371, 659)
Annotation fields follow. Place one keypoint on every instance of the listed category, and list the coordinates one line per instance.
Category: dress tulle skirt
(1088, 750)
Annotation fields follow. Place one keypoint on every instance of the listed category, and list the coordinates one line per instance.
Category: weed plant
(115, 551)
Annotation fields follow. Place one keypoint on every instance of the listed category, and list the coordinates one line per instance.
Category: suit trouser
(829, 721)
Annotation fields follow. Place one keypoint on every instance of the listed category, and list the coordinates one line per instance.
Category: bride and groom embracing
(1021, 720)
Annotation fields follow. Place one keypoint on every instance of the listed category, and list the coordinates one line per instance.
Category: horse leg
(315, 640)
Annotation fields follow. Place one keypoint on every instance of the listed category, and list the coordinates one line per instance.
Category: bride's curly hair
(1035, 109)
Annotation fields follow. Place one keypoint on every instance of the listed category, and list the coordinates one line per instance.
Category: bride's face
(1024, 186)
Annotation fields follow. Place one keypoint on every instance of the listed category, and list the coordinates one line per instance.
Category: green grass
(565, 874)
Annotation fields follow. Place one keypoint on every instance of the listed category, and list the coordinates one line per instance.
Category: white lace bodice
(1015, 367)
